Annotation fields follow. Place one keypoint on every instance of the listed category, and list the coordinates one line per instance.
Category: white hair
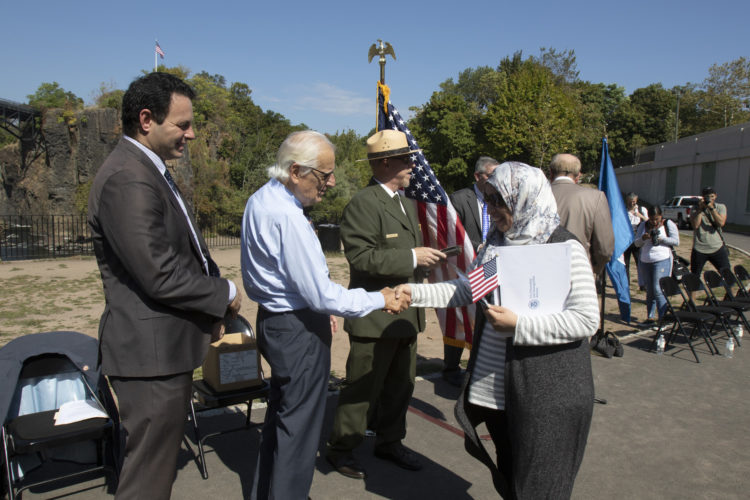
(303, 148)
(483, 162)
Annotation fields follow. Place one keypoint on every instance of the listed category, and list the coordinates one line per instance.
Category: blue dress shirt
(283, 266)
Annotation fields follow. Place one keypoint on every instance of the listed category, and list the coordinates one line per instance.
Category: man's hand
(392, 304)
(428, 257)
(501, 318)
(234, 307)
(403, 289)
(334, 324)
(217, 331)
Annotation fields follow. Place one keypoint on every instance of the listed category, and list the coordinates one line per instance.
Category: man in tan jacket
(583, 211)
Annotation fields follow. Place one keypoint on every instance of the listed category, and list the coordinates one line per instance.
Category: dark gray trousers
(297, 345)
(153, 412)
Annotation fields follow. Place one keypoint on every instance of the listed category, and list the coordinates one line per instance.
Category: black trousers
(152, 414)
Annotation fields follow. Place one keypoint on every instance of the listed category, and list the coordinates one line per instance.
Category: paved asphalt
(671, 428)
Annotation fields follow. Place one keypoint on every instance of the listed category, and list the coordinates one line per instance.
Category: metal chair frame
(698, 320)
(693, 284)
(208, 399)
(742, 277)
(15, 445)
(713, 281)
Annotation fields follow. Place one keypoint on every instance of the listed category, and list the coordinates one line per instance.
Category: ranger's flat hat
(387, 143)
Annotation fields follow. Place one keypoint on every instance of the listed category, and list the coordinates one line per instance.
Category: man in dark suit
(382, 242)
(583, 211)
(163, 294)
(471, 210)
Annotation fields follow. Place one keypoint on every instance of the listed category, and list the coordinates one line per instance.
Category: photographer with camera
(656, 237)
(708, 242)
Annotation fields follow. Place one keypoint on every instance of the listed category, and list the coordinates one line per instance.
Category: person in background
(285, 272)
(636, 215)
(583, 211)
(707, 222)
(656, 237)
(472, 211)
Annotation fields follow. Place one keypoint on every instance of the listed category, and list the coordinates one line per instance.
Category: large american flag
(440, 225)
(159, 51)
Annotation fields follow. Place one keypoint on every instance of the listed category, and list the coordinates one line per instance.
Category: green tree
(52, 96)
(533, 116)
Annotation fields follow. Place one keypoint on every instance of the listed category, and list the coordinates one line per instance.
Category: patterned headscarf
(529, 197)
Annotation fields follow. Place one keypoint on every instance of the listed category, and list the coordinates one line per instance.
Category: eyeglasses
(495, 200)
(325, 175)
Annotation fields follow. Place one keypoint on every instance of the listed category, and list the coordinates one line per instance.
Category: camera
(706, 199)
(654, 233)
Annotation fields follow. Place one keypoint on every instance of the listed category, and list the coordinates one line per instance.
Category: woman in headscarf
(528, 378)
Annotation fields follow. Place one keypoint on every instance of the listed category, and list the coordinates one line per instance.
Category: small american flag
(440, 224)
(159, 51)
(483, 279)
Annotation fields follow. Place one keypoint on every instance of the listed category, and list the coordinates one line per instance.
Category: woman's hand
(501, 318)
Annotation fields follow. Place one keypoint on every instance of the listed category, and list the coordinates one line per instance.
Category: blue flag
(622, 229)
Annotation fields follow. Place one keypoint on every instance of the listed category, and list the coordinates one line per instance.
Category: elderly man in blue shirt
(285, 272)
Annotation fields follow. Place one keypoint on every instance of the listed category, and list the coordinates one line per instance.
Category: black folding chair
(34, 446)
(714, 282)
(730, 282)
(680, 318)
(743, 276)
(723, 315)
(206, 398)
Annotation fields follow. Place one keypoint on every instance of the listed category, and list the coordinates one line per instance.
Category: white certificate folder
(534, 279)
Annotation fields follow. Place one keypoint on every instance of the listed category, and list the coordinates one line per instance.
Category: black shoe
(347, 465)
(399, 455)
(454, 376)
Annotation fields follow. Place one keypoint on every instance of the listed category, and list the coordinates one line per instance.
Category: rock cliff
(49, 184)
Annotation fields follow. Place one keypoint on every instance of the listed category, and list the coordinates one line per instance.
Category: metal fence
(49, 236)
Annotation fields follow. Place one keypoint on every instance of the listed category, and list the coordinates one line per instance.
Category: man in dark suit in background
(164, 298)
(583, 211)
(470, 207)
(382, 242)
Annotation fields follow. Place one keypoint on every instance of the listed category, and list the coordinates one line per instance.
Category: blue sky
(308, 60)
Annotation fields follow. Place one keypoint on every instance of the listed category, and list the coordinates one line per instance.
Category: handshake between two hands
(396, 300)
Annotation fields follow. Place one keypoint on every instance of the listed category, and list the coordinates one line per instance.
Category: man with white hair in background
(285, 272)
(583, 211)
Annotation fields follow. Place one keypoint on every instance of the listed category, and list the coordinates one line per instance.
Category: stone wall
(74, 153)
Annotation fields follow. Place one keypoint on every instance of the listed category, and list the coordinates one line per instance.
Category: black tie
(170, 181)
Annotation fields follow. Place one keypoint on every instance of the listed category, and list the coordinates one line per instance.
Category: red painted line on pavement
(442, 423)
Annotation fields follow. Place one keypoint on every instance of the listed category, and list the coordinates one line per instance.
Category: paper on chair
(75, 411)
(534, 279)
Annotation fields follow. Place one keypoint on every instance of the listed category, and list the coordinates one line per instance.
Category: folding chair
(743, 276)
(678, 318)
(205, 398)
(723, 315)
(36, 451)
(731, 281)
(715, 282)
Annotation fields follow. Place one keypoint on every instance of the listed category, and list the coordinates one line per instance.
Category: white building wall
(728, 148)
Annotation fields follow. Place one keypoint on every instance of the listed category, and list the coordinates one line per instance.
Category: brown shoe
(399, 455)
(347, 465)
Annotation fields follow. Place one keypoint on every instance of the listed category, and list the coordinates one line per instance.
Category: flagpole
(155, 55)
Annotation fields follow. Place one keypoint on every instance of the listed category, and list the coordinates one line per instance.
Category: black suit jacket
(465, 202)
(160, 303)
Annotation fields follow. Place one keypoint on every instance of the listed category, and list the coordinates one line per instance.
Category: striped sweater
(578, 319)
